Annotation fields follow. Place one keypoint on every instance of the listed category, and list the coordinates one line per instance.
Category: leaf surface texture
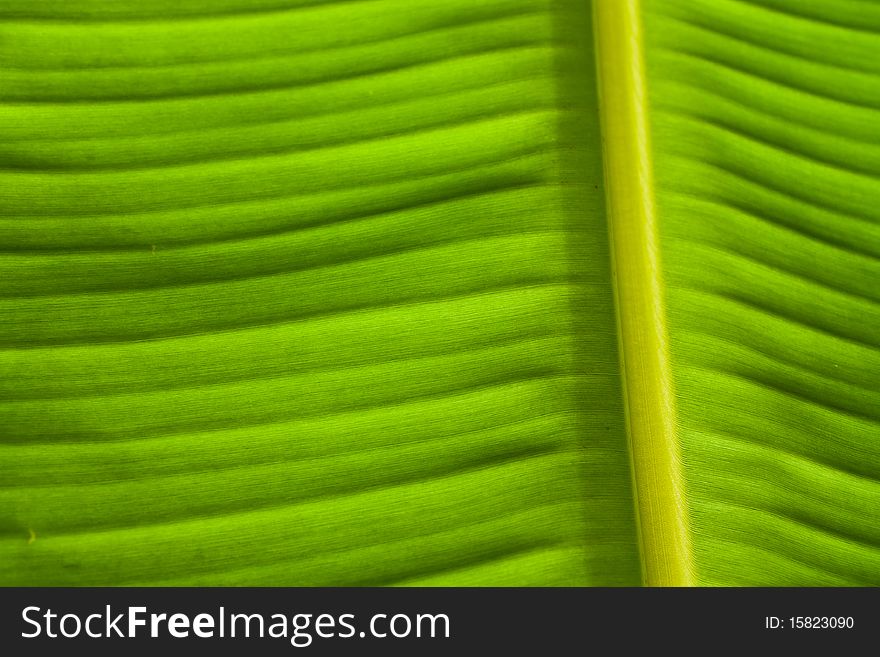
(297, 292)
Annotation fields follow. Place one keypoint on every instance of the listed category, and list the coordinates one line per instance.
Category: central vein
(658, 483)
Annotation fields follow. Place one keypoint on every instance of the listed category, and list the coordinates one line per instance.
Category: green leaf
(765, 132)
(308, 292)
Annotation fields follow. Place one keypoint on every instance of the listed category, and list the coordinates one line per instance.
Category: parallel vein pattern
(294, 292)
(768, 168)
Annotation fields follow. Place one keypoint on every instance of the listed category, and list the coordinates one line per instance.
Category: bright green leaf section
(309, 292)
(306, 293)
(767, 158)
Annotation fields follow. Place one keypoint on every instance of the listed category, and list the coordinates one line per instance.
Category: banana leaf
(450, 292)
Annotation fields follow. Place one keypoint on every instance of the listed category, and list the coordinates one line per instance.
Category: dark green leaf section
(767, 157)
(306, 293)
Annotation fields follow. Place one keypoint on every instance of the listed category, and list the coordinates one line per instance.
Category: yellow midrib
(661, 510)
